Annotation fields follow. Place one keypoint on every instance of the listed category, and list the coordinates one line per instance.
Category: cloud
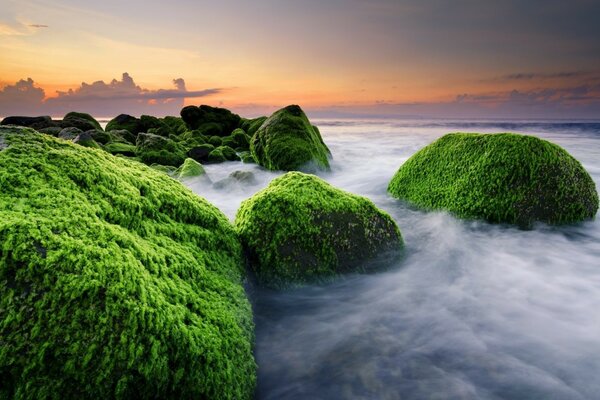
(99, 98)
(21, 98)
(581, 101)
(533, 75)
(38, 26)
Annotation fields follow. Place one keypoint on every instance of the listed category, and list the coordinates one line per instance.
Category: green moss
(301, 229)
(155, 149)
(501, 177)
(125, 149)
(287, 141)
(215, 141)
(190, 169)
(222, 153)
(85, 139)
(78, 117)
(251, 125)
(126, 122)
(115, 281)
(167, 169)
(175, 124)
(247, 157)
(222, 121)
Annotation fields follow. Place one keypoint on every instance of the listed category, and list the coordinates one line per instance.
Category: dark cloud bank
(99, 98)
(124, 96)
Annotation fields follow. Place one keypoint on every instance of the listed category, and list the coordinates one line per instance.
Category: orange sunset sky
(335, 58)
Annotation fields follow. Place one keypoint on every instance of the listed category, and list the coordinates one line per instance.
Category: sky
(336, 58)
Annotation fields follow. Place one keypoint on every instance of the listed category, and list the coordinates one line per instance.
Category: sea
(472, 311)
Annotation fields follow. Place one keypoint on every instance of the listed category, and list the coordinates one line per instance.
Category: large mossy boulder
(250, 126)
(115, 281)
(127, 122)
(300, 229)
(220, 120)
(80, 120)
(502, 177)
(156, 149)
(287, 141)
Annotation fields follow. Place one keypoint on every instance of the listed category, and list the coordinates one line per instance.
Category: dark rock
(224, 120)
(31, 122)
(200, 153)
(69, 133)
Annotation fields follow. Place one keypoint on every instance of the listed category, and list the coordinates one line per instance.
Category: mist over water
(472, 311)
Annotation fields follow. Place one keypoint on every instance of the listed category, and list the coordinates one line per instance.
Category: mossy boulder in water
(503, 177)
(300, 229)
(250, 126)
(190, 169)
(115, 281)
(287, 141)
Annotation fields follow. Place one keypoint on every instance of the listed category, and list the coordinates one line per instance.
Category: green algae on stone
(190, 169)
(125, 149)
(124, 121)
(222, 153)
(83, 121)
(287, 141)
(155, 149)
(250, 126)
(300, 229)
(116, 281)
(504, 177)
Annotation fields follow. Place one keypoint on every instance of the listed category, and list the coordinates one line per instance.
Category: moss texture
(115, 281)
(190, 169)
(300, 229)
(222, 153)
(124, 121)
(80, 120)
(222, 121)
(155, 149)
(503, 177)
(287, 141)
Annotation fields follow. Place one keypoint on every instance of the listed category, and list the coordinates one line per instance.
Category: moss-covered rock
(222, 120)
(155, 149)
(239, 139)
(247, 157)
(127, 122)
(301, 229)
(83, 121)
(250, 126)
(86, 140)
(51, 130)
(200, 153)
(236, 179)
(115, 281)
(215, 141)
(125, 149)
(222, 153)
(287, 141)
(504, 177)
(69, 133)
(190, 169)
(40, 122)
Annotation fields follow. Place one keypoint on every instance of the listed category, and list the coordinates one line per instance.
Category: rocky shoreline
(119, 282)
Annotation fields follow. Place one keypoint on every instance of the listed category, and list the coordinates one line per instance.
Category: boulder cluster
(116, 281)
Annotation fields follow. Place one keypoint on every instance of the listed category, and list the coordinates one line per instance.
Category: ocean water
(473, 310)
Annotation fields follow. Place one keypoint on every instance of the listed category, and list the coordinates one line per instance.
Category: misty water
(472, 311)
